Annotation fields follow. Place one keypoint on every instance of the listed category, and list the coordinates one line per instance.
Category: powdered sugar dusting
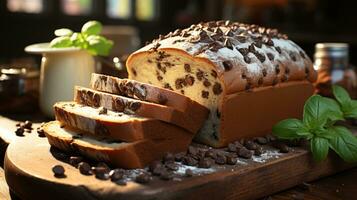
(267, 155)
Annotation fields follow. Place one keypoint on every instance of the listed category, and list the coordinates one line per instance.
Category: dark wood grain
(28, 172)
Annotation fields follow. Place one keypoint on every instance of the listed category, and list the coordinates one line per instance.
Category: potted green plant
(68, 60)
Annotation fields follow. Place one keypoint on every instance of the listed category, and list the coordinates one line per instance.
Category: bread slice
(114, 125)
(145, 92)
(120, 154)
(190, 120)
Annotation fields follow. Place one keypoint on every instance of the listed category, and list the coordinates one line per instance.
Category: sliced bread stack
(124, 122)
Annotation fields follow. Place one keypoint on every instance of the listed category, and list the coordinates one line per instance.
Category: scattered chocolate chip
(187, 160)
(241, 39)
(159, 78)
(231, 160)
(27, 124)
(213, 73)
(258, 151)
(206, 83)
(210, 154)
(227, 65)
(58, 171)
(261, 140)
(261, 57)
(281, 146)
(258, 44)
(217, 88)
(245, 153)
(190, 80)
(270, 56)
(204, 163)
(142, 178)
(264, 72)
(172, 166)
(166, 175)
(243, 51)
(205, 94)
(179, 156)
(247, 59)
(269, 42)
(278, 49)
(84, 168)
(292, 56)
(232, 147)
(101, 173)
(20, 131)
(251, 48)
(116, 174)
(227, 43)
(189, 173)
(221, 159)
(179, 83)
(250, 145)
(75, 160)
(302, 54)
(40, 132)
(134, 105)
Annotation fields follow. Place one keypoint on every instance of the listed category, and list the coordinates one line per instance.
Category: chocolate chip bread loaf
(120, 126)
(190, 120)
(250, 77)
(120, 154)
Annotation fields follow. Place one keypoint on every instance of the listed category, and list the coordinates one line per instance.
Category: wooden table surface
(339, 186)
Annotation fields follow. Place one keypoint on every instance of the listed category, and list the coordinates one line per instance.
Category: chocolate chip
(205, 94)
(159, 78)
(84, 168)
(243, 51)
(220, 159)
(190, 80)
(258, 44)
(179, 156)
(232, 147)
(277, 69)
(278, 49)
(155, 164)
(292, 56)
(116, 174)
(302, 54)
(157, 171)
(249, 144)
(18, 124)
(217, 88)
(27, 124)
(231, 160)
(187, 160)
(199, 75)
(261, 140)
(251, 48)
(227, 43)
(241, 39)
(204, 163)
(179, 83)
(140, 92)
(167, 86)
(20, 131)
(166, 175)
(227, 65)
(210, 154)
(162, 99)
(134, 105)
(189, 173)
(168, 157)
(206, 83)
(142, 178)
(269, 42)
(270, 56)
(172, 166)
(103, 111)
(134, 72)
(281, 146)
(40, 132)
(245, 153)
(101, 173)
(75, 160)
(187, 68)
(247, 59)
(58, 171)
(213, 73)
(261, 57)
(258, 151)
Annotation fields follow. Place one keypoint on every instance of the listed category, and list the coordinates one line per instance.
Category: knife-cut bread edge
(119, 154)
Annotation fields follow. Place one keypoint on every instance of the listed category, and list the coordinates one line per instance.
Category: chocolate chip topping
(140, 92)
(118, 105)
(270, 56)
(75, 160)
(243, 51)
(206, 83)
(190, 80)
(227, 65)
(277, 69)
(227, 43)
(134, 105)
(84, 168)
(278, 49)
(142, 178)
(247, 59)
(261, 57)
(199, 75)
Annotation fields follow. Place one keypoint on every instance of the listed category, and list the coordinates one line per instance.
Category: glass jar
(331, 61)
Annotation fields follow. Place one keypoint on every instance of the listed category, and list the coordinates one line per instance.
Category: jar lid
(332, 50)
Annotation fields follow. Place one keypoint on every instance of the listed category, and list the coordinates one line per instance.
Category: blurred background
(23, 22)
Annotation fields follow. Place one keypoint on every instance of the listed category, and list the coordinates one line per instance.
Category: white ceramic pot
(61, 70)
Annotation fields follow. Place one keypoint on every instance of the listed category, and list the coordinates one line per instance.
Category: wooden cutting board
(28, 164)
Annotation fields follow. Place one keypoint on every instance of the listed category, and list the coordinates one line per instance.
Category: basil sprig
(88, 39)
(319, 126)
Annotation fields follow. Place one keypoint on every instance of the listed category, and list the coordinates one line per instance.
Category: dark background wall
(305, 21)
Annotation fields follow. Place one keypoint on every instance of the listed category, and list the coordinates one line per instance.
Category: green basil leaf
(344, 143)
(290, 129)
(314, 115)
(98, 45)
(78, 40)
(92, 28)
(334, 114)
(341, 95)
(352, 112)
(319, 148)
(63, 32)
(59, 42)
